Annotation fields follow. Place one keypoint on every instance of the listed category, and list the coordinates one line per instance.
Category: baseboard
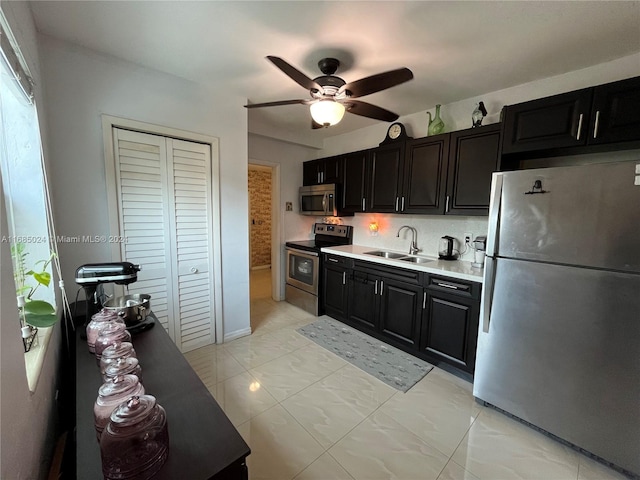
(237, 334)
(261, 267)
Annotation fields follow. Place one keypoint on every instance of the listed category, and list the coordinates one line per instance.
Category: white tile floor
(308, 415)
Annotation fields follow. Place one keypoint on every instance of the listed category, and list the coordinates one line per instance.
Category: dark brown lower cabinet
(335, 286)
(450, 329)
(430, 316)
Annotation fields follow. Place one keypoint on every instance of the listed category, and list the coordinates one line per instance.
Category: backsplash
(430, 229)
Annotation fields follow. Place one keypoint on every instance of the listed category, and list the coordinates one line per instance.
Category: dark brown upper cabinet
(552, 122)
(605, 114)
(385, 181)
(354, 181)
(474, 155)
(425, 175)
(321, 171)
(615, 113)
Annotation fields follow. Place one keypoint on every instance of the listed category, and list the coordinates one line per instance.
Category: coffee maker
(479, 247)
(93, 275)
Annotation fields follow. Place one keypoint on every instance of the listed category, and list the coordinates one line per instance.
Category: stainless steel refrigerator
(559, 335)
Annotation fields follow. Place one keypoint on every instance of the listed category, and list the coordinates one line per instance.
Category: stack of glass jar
(130, 425)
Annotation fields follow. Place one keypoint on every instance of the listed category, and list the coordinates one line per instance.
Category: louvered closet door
(141, 177)
(189, 165)
(165, 212)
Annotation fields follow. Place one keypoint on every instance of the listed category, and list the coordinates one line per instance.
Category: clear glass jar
(110, 334)
(123, 366)
(114, 352)
(111, 394)
(135, 443)
(97, 323)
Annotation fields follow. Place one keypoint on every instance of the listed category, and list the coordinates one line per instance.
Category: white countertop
(459, 269)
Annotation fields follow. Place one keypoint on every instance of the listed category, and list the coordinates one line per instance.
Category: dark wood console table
(203, 444)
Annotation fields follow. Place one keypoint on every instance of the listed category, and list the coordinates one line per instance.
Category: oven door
(303, 269)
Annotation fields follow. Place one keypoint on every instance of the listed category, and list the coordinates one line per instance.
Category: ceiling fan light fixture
(327, 112)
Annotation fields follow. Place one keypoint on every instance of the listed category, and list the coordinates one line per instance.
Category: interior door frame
(277, 229)
(108, 123)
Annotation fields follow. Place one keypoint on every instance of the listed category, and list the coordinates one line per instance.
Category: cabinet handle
(595, 127)
(344, 278)
(322, 177)
(375, 291)
(333, 259)
(318, 177)
(446, 207)
(397, 198)
(579, 126)
(446, 285)
(402, 209)
(381, 286)
(363, 204)
(424, 300)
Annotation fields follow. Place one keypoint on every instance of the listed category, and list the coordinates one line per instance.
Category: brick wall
(260, 216)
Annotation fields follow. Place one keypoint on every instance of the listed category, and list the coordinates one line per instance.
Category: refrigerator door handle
(487, 292)
(494, 214)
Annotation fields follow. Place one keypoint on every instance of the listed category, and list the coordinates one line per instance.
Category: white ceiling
(456, 50)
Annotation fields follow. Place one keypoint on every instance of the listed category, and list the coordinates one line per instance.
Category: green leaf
(40, 321)
(43, 278)
(39, 307)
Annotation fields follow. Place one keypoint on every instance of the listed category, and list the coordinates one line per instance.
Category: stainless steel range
(304, 265)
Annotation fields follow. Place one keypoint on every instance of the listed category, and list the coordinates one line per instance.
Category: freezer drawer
(588, 215)
(562, 352)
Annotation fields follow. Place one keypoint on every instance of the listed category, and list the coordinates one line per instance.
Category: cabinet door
(311, 172)
(425, 175)
(474, 155)
(616, 112)
(386, 174)
(552, 122)
(335, 291)
(400, 311)
(363, 308)
(450, 329)
(354, 168)
(331, 172)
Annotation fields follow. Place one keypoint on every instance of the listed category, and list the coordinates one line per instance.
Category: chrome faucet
(413, 248)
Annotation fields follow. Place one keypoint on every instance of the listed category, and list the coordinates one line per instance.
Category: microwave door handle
(324, 202)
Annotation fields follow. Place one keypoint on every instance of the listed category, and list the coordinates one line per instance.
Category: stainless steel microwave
(319, 200)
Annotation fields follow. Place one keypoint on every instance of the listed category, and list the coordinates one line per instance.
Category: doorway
(264, 231)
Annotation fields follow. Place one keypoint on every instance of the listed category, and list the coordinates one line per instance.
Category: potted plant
(33, 313)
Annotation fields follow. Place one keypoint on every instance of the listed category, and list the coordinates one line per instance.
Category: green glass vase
(436, 125)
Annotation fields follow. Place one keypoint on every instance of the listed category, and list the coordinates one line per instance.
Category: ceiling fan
(331, 96)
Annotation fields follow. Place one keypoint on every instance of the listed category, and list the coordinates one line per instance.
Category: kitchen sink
(416, 259)
(382, 253)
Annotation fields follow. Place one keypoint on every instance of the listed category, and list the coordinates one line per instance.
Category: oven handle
(302, 252)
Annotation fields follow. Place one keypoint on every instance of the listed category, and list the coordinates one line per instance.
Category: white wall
(457, 116)
(82, 85)
(27, 419)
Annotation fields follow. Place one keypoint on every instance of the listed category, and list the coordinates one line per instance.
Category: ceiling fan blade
(376, 83)
(371, 111)
(277, 104)
(295, 74)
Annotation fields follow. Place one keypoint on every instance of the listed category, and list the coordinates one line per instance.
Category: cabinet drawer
(338, 260)
(454, 286)
(409, 276)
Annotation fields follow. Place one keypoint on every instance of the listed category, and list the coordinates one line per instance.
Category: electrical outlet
(468, 238)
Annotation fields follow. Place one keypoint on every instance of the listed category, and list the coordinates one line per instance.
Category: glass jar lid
(104, 315)
(116, 389)
(118, 350)
(135, 410)
(121, 366)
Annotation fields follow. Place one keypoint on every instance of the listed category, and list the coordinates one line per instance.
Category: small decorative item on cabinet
(436, 125)
(478, 115)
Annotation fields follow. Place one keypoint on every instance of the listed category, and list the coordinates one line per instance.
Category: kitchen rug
(388, 364)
